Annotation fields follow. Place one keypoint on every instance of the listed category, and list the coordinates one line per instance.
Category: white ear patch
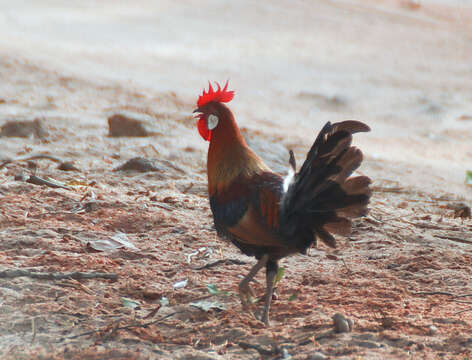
(212, 121)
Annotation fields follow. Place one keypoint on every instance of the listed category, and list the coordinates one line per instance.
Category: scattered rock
(21, 177)
(124, 125)
(196, 355)
(139, 164)
(464, 117)
(460, 210)
(228, 335)
(23, 128)
(317, 356)
(411, 4)
(432, 330)
(403, 205)
(449, 321)
(327, 102)
(36, 180)
(432, 109)
(235, 352)
(262, 344)
(341, 323)
(67, 166)
(387, 322)
(367, 344)
(285, 355)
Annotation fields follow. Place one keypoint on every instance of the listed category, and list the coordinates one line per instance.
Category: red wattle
(203, 129)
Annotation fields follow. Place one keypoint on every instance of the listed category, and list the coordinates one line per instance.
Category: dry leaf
(117, 241)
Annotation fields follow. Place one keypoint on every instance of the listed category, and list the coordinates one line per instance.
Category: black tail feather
(322, 192)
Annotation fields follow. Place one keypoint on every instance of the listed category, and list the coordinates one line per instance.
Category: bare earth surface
(404, 275)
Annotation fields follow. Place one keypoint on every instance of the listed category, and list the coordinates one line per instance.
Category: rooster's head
(210, 109)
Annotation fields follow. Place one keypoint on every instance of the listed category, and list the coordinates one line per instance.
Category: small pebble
(341, 323)
(23, 128)
(123, 125)
(138, 164)
(285, 355)
(317, 356)
(403, 205)
(67, 166)
(21, 177)
(368, 344)
(432, 329)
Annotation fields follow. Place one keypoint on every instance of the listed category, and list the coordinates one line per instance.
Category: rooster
(271, 217)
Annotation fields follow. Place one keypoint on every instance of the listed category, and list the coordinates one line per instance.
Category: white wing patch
(288, 179)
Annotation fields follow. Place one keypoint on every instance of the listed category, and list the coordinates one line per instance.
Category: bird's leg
(245, 292)
(271, 273)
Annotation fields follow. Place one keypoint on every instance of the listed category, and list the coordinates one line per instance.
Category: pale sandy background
(404, 69)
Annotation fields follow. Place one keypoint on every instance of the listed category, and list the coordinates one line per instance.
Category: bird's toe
(246, 295)
(262, 316)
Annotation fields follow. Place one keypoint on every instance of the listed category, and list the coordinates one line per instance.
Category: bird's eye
(212, 121)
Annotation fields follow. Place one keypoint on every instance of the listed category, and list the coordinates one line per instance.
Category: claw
(245, 292)
(246, 295)
(262, 316)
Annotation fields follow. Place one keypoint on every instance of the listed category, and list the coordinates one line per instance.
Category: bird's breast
(249, 230)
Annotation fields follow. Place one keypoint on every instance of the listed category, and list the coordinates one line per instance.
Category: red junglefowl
(270, 217)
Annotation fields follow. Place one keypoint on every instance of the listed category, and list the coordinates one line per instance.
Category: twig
(312, 338)
(463, 301)
(121, 327)
(77, 315)
(426, 225)
(392, 189)
(372, 220)
(347, 267)
(164, 206)
(33, 330)
(9, 274)
(173, 166)
(80, 335)
(434, 293)
(145, 325)
(463, 295)
(36, 180)
(77, 285)
(453, 238)
(31, 157)
(245, 345)
(203, 297)
(187, 188)
(454, 296)
(220, 262)
(153, 312)
(462, 311)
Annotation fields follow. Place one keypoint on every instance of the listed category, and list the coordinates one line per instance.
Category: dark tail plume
(322, 196)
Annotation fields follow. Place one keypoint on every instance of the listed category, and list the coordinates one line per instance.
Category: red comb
(220, 95)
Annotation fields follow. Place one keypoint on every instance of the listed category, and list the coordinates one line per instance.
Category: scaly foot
(262, 316)
(246, 294)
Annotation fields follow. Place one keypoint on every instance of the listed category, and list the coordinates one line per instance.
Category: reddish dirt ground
(402, 277)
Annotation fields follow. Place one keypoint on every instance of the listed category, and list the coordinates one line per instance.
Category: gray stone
(317, 356)
(24, 129)
(341, 323)
(125, 125)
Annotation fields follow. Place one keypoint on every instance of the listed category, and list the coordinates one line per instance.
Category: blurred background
(403, 67)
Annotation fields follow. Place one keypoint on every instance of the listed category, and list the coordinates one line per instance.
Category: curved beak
(196, 112)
